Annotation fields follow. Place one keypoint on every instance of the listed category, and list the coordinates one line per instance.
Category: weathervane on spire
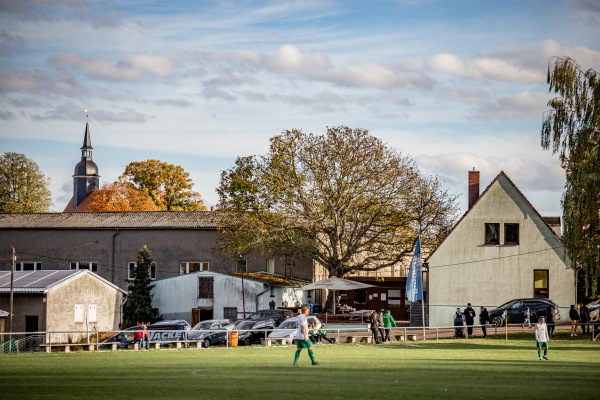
(87, 112)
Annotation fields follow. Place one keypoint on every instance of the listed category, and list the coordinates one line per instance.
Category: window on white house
(492, 233)
(89, 265)
(28, 266)
(187, 267)
(511, 233)
(131, 271)
(540, 283)
(205, 288)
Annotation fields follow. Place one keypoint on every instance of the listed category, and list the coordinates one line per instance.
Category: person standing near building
(380, 325)
(527, 319)
(469, 319)
(550, 319)
(145, 337)
(541, 338)
(138, 337)
(388, 323)
(374, 326)
(302, 339)
(484, 318)
(574, 317)
(584, 318)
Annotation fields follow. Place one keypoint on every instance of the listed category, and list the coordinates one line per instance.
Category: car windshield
(505, 304)
(288, 325)
(203, 326)
(244, 325)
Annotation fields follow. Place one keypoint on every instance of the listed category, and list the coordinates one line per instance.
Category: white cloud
(519, 106)
(40, 82)
(132, 68)
(484, 68)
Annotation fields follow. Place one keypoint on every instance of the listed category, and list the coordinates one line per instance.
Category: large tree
(118, 196)
(169, 186)
(343, 197)
(572, 129)
(138, 308)
(23, 187)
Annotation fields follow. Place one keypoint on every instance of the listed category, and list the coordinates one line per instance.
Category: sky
(457, 84)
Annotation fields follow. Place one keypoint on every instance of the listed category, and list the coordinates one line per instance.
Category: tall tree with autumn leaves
(150, 185)
(342, 197)
(168, 185)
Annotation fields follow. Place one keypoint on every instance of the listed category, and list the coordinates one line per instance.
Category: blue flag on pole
(414, 281)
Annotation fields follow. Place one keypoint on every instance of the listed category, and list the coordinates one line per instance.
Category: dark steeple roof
(85, 178)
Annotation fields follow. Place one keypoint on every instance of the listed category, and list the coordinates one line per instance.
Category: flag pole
(422, 296)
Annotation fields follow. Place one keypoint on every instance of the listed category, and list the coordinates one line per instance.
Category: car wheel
(247, 342)
(497, 321)
(206, 343)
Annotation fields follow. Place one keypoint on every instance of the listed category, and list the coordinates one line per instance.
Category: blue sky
(455, 84)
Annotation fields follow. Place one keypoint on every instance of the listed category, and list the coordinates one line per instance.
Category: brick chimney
(473, 187)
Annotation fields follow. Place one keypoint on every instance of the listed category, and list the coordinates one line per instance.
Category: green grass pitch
(461, 369)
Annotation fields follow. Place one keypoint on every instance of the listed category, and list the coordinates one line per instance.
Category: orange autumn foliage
(118, 196)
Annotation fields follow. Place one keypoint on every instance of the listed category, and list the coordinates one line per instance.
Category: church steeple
(86, 149)
(85, 178)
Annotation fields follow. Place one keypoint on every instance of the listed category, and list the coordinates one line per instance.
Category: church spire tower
(86, 177)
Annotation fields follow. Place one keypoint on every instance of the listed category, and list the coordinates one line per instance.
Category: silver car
(287, 329)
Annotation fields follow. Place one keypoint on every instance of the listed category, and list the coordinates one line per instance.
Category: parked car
(276, 315)
(163, 331)
(287, 329)
(210, 324)
(211, 332)
(252, 330)
(515, 311)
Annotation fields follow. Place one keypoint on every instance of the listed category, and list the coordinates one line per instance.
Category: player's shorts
(303, 344)
(541, 345)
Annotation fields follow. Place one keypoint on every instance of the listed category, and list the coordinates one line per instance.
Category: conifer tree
(138, 308)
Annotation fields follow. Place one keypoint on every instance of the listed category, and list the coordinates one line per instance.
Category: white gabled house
(501, 249)
(67, 302)
(209, 295)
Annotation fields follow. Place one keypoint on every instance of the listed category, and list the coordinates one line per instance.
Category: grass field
(462, 369)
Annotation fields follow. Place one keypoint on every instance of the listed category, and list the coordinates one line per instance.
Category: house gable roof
(483, 194)
(41, 282)
(112, 220)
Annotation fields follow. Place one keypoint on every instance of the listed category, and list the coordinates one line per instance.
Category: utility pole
(12, 278)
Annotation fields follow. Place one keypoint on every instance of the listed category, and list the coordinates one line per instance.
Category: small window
(230, 313)
(540, 283)
(205, 288)
(187, 267)
(511, 233)
(131, 271)
(242, 266)
(89, 265)
(28, 266)
(492, 233)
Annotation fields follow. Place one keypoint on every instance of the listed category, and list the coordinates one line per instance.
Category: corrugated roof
(34, 281)
(112, 220)
(42, 281)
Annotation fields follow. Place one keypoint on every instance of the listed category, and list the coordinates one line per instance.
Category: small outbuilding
(65, 303)
(209, 295)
